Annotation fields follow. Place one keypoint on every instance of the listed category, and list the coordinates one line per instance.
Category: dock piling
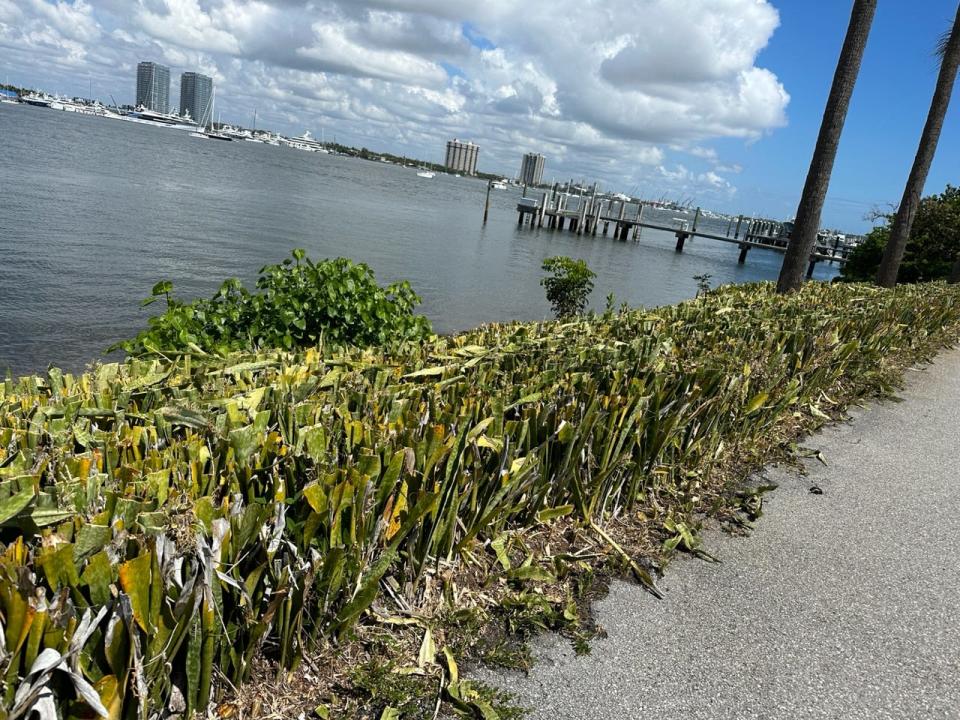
(486, 206)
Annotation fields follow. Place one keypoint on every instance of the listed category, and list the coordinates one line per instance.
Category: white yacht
(304, 142)
(426, 174)
(42, 100)
(145, 116)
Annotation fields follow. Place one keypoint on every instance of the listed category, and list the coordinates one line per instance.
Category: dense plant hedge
(299, 303)
(162, 519)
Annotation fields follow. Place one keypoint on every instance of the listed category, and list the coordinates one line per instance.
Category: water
(94, 211)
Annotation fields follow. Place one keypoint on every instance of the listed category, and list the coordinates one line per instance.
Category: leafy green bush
(298, 303)
(569, 286)
(933, 247)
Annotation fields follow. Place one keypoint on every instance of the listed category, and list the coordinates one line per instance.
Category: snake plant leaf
(59, 567)
(15, 504)
(756, 402)
(97, 575)
(135, 577)
(429, 372)
(108, 688)
(499, 547)
(86, 691)
(428, 650)
(549, 514)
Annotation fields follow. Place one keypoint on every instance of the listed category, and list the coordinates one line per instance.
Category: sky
(713, 102)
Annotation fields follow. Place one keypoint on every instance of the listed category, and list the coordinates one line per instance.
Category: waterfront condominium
(462, 157)
(531, 171)
(153, 87)
(196, 91)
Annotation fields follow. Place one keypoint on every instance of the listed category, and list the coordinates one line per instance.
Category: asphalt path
(844, 604)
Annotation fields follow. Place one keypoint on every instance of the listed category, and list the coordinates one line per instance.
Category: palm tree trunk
(902, 224)
(807, 225)
(955, 273)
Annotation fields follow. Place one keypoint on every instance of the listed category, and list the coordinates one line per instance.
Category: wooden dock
(590, 215)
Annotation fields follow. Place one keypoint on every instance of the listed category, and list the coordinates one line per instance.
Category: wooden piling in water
(486, 206)
(681, 239)
(736, 235)
(744, 248)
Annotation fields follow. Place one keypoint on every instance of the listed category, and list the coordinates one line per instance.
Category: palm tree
(949, 52)
(807, 224)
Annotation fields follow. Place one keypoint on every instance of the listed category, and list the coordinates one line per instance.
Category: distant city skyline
(726, 117)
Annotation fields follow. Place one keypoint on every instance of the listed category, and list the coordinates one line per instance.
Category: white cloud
(605, 88)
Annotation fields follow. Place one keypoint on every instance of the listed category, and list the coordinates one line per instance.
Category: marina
(592, 214)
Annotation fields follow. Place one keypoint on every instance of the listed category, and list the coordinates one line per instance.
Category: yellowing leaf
(757, 402)
(135, 581)
(399, 505)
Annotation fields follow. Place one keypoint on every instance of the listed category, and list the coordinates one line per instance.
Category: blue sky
(716, 102)
(886, 115)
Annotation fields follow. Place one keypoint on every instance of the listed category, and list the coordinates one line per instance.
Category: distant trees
(903, 222)
(933, 246)
(807, 223)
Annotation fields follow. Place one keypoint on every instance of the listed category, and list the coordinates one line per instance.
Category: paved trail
(843, 605)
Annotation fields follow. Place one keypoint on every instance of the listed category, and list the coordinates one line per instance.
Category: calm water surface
(94, 211)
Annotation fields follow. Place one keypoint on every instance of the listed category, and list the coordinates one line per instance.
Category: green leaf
(15, 504)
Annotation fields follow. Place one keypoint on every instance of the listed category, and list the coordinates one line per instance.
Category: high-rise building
(531, 171)
(196, 94)
(462, 156)
(153, 87)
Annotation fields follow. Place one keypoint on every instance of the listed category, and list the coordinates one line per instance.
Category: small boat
(426, 174)
(205, 129)
(499, 185)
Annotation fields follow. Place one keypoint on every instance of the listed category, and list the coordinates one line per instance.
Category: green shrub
(569, 285)
(298, 303)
